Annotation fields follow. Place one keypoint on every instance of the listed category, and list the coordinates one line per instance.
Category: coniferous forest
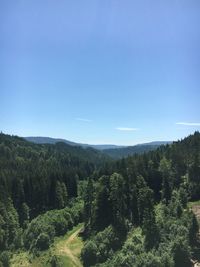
(135, 211)
(99, 133)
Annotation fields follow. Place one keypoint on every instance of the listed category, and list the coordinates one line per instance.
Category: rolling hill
(113, 151)
(131, 150)
(50, 140)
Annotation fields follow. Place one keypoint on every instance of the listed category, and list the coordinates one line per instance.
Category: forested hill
(50, 140)
(36, 174)
(114, 151)
(122, 152)
(37, 178)
(87, 154)
(136, 212)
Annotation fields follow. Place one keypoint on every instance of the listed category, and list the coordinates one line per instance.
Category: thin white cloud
(128, 129)
(188, 123)
(84, 120)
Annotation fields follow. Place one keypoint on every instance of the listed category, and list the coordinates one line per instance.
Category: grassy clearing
(195, 206)
(193, 203)
(69, 248)
(66, 250)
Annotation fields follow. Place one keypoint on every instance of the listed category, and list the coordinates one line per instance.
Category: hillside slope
(49, 140)
(137, 213)
(131, 150)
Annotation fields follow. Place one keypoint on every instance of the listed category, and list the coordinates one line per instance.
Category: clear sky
(120, 71)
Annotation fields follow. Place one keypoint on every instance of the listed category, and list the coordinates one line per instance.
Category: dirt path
(196, 210)
(74, 235)
(66, 251)
(70, 249)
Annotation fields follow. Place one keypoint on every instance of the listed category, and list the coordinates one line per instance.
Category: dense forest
(39, 175)
(37, 178)
(136, 214)
(135, 210)
(113, 151)
(121, 152)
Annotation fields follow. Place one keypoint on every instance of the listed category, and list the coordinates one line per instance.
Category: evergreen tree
(181, 253)
(88, 204)
(89, 254)
(64, 193)
(193, 229)
(24, 214)
(59, 201)
(150, 230)
(118, 200)
(165, 170)
(102, 208)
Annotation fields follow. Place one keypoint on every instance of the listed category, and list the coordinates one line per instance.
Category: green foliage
(193, 229)
(60, 195)
(166, 173)
(150, 191)
(101, 246)
(42, 242)
(194, 176)
(150, 230)
(30, 173)
(89, 254)
(117, 200)
(42, 230)
(36, 178)
(145, 199)
(55, 262)
(148, 260)
(183, 196)
(181, 253)
(130, 150)
(142, 198)
(9, 224)
(88, 200)
(101, 205)
(5, 259)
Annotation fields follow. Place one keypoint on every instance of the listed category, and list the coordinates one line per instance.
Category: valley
(99, 133)
(127, 211)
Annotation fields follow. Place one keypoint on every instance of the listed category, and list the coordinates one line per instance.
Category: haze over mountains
(113, 151)
(137, 149)
(50, 140)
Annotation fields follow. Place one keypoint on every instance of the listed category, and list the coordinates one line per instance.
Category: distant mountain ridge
(154, 143)
(137, 149)
(113, 151)
(50, 140)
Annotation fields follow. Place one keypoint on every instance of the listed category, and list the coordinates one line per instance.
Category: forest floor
(65, 249)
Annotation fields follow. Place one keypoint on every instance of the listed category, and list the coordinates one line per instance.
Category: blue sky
(121, 72)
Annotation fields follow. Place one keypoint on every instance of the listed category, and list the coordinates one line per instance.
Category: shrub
(43, 241)
(5, 259)
(89, 253)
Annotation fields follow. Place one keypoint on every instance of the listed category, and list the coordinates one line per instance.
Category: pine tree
(88, 204)
(64, 194)
(165, 169)
(118, 200)
(102, 208)
(59, 201)
(193, 229)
